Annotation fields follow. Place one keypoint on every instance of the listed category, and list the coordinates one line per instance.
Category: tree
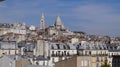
(105, 64)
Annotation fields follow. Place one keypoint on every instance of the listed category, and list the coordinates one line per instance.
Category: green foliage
(105, 65)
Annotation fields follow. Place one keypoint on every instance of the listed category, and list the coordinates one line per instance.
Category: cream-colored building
(81, 61)
(74, 40)
(98, 52)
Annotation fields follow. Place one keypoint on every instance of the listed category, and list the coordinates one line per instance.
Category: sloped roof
(61, 46)
(90, 46)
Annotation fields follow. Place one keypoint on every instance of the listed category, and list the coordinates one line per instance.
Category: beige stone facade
(22, 63)
(82, 61)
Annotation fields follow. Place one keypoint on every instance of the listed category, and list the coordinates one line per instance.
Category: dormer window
(52, 47)
(58, 46)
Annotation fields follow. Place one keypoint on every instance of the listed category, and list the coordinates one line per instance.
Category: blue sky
(101, 17)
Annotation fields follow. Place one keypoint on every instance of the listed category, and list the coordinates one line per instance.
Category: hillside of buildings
(50, 46)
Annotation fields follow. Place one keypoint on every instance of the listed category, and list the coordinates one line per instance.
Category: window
(62, 54)
(52, 59)
(10, 64)
(64, 47)
(84, 63)
(89, 63)
(52, 53)
(89, 52)
(37, 63)
(68, 54)
(97, 59)
(52, 47)
(85, 52)
(58, 53)
(97, 65)
(58, 46)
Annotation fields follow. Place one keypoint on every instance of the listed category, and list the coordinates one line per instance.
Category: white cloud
(101, 18)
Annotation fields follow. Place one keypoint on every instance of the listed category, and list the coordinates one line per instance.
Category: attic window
(115, 47)
(104, 47)
(68, 46)
(111, 48)
(58, 46)
(77, 47)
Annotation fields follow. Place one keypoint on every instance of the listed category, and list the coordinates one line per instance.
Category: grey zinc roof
(8, 45)
(62, 46)
(113, 47)
(72, 46)
(58, 45)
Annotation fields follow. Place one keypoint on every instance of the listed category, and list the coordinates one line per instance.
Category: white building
(42, 48)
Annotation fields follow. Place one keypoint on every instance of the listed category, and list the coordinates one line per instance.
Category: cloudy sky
(101, 17)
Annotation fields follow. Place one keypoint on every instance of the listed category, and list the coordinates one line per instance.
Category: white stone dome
(32, 27)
